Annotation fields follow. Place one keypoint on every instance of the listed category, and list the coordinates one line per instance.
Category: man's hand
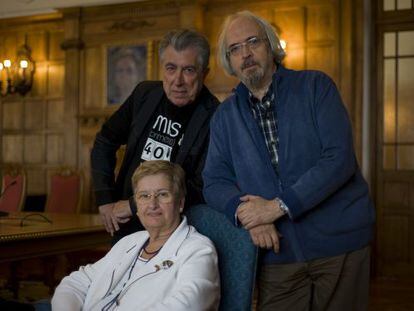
(108, 218)
(257, 211)
(265, 236)
(122, 211)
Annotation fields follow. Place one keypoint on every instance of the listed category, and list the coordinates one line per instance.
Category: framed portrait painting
(127, 65)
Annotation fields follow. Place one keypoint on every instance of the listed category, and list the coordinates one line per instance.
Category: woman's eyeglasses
(163, 196)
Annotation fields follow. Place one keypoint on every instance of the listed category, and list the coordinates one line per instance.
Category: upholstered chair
(64, 191)
(13, 189)
(236, 254)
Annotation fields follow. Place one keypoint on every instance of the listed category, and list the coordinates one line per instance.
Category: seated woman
(170, 266)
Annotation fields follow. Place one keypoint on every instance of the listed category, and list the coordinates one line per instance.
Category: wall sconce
(18, 75)
(283, 44)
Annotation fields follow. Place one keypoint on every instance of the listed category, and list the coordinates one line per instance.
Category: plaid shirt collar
(267, 102)
(265, 117)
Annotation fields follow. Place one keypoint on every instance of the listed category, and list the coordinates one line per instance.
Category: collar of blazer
(206, 105)
(163, 260)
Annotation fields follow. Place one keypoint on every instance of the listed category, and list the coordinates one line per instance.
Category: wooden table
(38, 238)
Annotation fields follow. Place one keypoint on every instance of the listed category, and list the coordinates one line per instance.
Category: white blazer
(189, 281)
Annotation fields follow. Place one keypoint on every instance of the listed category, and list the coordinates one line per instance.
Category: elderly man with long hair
(281, 159)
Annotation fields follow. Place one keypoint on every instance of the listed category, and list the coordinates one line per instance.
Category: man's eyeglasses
(163, 196)
(252, 43)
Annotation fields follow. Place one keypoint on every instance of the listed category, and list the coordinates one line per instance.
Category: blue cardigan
(318, 179)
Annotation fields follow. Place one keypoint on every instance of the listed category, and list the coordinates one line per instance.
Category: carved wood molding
(69, 44)
(35, 21)
(130, 25)
(138, 9)
(90, 121)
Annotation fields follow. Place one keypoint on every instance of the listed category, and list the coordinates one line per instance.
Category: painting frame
(125, 65)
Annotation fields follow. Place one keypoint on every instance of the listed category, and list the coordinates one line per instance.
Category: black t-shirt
(163, 134)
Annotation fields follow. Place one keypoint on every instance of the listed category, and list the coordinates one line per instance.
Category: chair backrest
(236, 253)
(64, 191)
(13, 189)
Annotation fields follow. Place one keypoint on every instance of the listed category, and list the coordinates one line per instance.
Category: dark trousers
(7, 305)
(334, 283)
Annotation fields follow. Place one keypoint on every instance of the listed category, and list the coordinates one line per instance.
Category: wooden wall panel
(88, 128)
(292, 26)
(56, 79)
(39, 87)
(323, 58)
(10, 44)
(12, 148)
(321, 25)
(93, 78)
(38, 42)
(216, 76)
(54, 147)
(34, 149)
(55, 114)
(34, 114)
(12, 115)
(55, 51)
(36, 181)
(296, 59)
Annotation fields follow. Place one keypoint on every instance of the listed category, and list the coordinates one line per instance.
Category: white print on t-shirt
(161, 140)
(181, 140)
(154, 150)
(162, 124)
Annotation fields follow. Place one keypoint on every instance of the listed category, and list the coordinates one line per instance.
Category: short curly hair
(172, 171)
(182, 39)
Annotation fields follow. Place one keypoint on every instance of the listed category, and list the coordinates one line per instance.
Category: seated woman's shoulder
(198, 240)
(131, 240)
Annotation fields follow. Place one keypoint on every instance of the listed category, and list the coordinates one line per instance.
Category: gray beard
(254, 80)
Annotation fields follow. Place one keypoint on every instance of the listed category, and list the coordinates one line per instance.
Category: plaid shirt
(265, 117)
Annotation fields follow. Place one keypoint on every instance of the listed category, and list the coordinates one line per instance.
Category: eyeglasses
(163, 196)
(252, 43)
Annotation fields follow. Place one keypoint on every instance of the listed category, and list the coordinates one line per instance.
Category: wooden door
(395, 138)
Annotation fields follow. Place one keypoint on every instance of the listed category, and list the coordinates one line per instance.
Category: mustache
(247, 63)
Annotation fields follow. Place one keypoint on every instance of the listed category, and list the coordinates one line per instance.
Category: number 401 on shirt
(155, 150)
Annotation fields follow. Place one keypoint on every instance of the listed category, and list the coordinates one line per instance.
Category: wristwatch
(282, 206)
